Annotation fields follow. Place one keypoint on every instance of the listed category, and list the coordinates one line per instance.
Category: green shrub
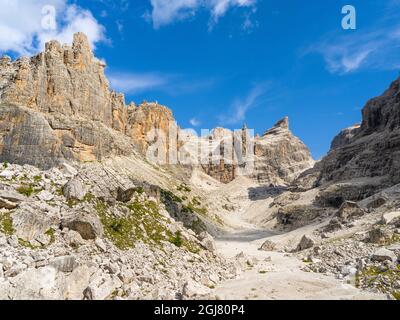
(177, 239)
(6, 224)
(28, 189)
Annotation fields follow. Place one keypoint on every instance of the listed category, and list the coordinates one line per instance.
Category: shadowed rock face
(372, 150)
(345, 136)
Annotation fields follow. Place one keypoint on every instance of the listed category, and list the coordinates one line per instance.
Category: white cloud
(165, 12)
(171, 84)
(27, 34)
(133, 83)
(194, 122)
(374, 48)
(240, 107)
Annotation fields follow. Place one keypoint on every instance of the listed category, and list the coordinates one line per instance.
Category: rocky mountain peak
(369, 151)
(281, 125)
(383, 112)
(62, 99)
(81, 44)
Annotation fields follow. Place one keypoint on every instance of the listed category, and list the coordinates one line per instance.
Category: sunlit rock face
(278, 157)
(57, 106)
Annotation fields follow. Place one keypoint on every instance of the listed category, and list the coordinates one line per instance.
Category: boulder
(64, 263)
(268, 246)
(377, 202)
(74, 189)
(306, 242)
(10, 199)
(192, 289)
(383, 254)
(31, 222)
(207, 241)
(125, 194)
(87, 225)
(45, 195)
(36, 284)
(76, 283)
(377, 236)
(100, 244)
(73, 239)
(390, 217)
(333, 225)
(348, 211)
(102, 286)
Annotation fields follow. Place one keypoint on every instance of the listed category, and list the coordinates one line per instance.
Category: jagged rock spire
(282, 124)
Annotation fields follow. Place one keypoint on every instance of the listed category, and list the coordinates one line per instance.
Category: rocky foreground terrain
(85, 215)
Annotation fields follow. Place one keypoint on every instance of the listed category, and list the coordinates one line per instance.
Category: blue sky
(226, 62)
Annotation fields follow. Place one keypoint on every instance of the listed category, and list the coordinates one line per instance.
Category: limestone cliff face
(280, 157)
(220, 164)
(372, 150)
(57, 106)
(63, 79)
(149, 122)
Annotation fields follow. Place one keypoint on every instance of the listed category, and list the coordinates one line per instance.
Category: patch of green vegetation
(168, 196)
(37, 178)
(118, 229)
(27, 244)
(219, 220)
(262, 271)
(183, 187)
(383, 280)
(395, 238)
(5, 164)
(28, 189)
(194, 207)
(89, 197)
(72, 203)
(6, 224)
(143, 223)
(396, 295)
(196, 201)
(60, 191)
(139, 190)
(51, 233)
(191, 246)
(24, 177)
(177, 239)
(198, 226)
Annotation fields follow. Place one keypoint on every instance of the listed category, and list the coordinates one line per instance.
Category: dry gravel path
(280, 278)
